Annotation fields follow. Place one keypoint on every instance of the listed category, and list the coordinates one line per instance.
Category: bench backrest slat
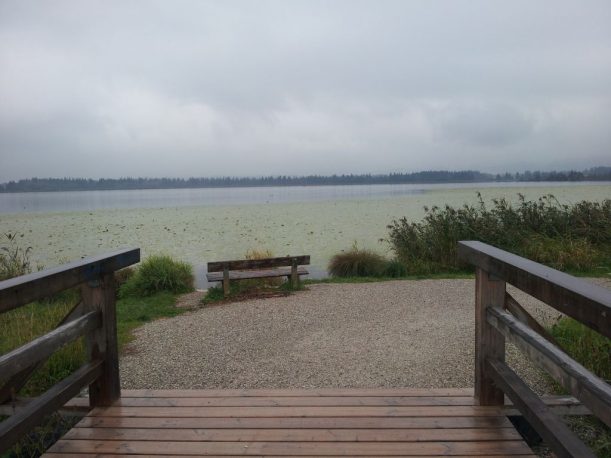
(246, 264)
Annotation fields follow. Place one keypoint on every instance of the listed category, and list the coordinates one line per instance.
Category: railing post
(102, 343)
(489, 343)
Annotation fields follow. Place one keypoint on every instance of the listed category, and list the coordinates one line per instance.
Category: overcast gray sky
(194, 88)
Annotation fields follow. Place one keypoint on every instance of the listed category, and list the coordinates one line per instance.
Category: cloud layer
(193, 88)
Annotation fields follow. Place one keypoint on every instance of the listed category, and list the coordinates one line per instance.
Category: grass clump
(363, 263)
(14, 259)
(357, 262)
(156, 274)
(575, 238)
(593, 351)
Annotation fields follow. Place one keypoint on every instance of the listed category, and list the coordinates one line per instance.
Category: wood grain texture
(99, 296)
(248, 274)
(587, 303)
(242, 264)
(489, 342)
(594, 392)
(42, 347)
(550, 427)
(17, 425)
(27, 288)
(327, 422)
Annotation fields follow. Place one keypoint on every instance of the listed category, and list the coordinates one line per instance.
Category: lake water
(201, 225)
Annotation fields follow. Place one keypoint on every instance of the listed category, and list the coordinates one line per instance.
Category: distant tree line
(439, 176)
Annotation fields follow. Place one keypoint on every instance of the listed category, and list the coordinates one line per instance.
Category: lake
(201, 225)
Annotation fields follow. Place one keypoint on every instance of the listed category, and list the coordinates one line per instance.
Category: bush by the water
(567, 237)
(159, 273)
(358, 262)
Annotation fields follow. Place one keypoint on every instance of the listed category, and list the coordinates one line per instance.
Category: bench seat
(260, 273)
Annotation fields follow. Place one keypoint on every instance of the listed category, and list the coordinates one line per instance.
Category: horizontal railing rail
(94, 318)
(499, 317)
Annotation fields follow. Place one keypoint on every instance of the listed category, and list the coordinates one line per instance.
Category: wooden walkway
(323, 422)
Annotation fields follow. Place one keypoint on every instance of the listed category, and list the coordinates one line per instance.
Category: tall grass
(24, 324)
(567, 237)
(14, 259)
(159, 273)
(358, 262)
(593, 351)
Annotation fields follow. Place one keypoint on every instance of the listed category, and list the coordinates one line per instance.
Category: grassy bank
(144, 294)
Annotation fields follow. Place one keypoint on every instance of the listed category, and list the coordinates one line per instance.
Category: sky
(196, 88)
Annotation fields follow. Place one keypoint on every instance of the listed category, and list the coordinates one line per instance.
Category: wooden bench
(287, 266)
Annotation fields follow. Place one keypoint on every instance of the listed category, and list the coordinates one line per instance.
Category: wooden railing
(499, 317)
(94, 317)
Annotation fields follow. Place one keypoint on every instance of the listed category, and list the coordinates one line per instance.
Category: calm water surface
(201, 225)
(164, 198)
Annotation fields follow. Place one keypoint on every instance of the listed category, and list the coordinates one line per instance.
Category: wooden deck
(329, 422)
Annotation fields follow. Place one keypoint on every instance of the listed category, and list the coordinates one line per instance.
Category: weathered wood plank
(591, 390)
(287, 401)
(18, 291)
(243, 264)
(143, 455)
(248, 274)
(293, 448)
(15, 426)
(237, 412)
(290, 392)
(297, 422)
(588, 303)
(99, 296)
(489, 343)
(13, 384)
(550, 427)
(42, 347)
(516, 309)
(78, 406)
(298, 435)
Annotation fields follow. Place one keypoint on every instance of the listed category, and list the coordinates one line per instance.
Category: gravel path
(387, 334)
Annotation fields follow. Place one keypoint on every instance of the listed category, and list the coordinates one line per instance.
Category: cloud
(114, 88)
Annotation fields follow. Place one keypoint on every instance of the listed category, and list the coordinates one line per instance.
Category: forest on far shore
(439, 176)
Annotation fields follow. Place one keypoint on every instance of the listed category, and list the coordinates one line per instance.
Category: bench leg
(294, 277)
(226, 282)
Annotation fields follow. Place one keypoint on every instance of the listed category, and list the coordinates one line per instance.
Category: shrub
(567, 237)
(357, 263)
(14, 260)
(124, 275)
(394, 269)
(159, 273)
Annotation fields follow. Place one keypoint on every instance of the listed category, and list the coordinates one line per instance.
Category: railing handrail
(94, 317)
(587, 303)
(22, 290)
(498, 316)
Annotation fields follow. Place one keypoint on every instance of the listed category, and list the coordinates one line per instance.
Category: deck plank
(330, 422)
(292, 392)
(298, 435)
(301, 401)
(291, 448)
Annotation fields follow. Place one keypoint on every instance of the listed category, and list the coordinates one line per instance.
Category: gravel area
(388, 334)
